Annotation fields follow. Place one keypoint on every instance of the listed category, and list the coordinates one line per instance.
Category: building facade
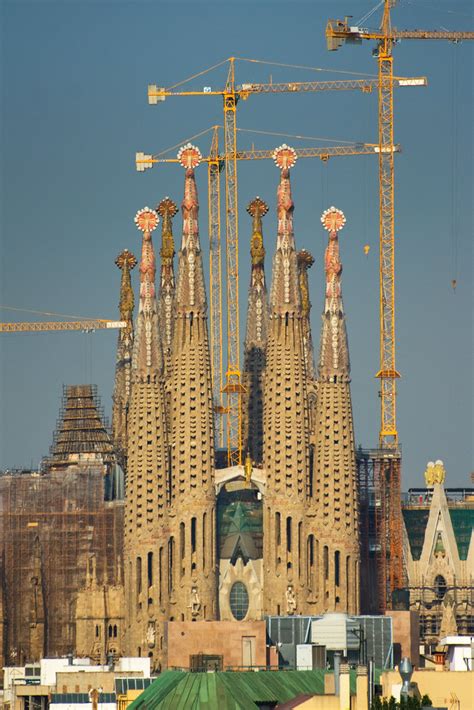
(439, 557)
(191, 539)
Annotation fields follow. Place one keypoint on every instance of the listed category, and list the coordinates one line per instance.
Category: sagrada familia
(182, 535)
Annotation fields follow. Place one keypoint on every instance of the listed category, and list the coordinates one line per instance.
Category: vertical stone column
(125, 261)
(146, 489)
(333, 511)
(255, 339)
(192, 570)
(286, 452)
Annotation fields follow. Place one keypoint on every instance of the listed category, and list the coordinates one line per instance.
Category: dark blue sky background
(74, 111)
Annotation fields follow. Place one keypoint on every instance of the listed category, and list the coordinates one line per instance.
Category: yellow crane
(338, 32)
(387, 482)
(84, 325)
(215, 162)
(231, 94)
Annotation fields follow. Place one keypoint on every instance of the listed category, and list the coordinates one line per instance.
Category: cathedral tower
(255, 339)
(147, 470)
(305, 262)
(125, 262)
(286, 450)
(166, 294)
(192, 545)
(333, 568)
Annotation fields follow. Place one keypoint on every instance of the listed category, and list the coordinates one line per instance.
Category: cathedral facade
(153, 523)
(279, 534)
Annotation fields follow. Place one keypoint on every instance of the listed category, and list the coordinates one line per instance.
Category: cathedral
(150, 524)
(278, 535)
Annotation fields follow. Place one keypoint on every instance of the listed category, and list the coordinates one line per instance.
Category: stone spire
(146, 492)
(255, 338)
(333, 511)
(285, 293)
(334, 362)
(191, 292)
(147, 354)
(305, 262)
(192, 513)
(286, 448)
(125, 261)
(166, 294)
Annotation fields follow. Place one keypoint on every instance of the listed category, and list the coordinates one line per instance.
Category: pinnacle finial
(126, 260)
(189, 156)
(167, 206)
(285, 157)
(333, 221)
(146, 220)
(435, 473)
(305, 259)
(257, 209)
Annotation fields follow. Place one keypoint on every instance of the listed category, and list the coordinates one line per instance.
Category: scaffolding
(51, 525)
(380, 526)
(53, 522)
(82, 431)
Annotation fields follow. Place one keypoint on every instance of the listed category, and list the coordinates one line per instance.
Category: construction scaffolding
(380, 527)
(51, 525)
(82, 431)
(56, 524)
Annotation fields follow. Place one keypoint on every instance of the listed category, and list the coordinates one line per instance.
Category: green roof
(227, 690)
(415, 524)
(230, 690)
(462, 520)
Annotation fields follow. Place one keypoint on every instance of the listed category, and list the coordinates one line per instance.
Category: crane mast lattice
(388, 488)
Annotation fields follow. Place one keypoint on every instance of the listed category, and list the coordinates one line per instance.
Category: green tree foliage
(404, 703)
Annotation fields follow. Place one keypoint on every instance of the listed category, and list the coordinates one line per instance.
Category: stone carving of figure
(435, 473)
(151, 634)
(195, 602)
(448, 626)
(290, 600)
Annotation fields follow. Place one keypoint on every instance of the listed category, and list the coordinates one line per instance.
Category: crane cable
(49, 313)
(274, 64)
(253, 130)
(454, 169)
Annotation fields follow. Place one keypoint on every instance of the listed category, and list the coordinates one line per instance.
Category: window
(440, 586)
(139, 575)
(337, 556)
(288, 534)
(150, 568)
(193, 534)
(239, 601)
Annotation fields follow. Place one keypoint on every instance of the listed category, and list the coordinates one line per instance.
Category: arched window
(440, 586)
(288, 534)
(337, 557)
(150, 568)
(310, 562)
(239, 601)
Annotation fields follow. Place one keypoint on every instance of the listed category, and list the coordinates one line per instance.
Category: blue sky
(74, 111)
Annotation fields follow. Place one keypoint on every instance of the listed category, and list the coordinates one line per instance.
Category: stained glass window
(239, 600)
